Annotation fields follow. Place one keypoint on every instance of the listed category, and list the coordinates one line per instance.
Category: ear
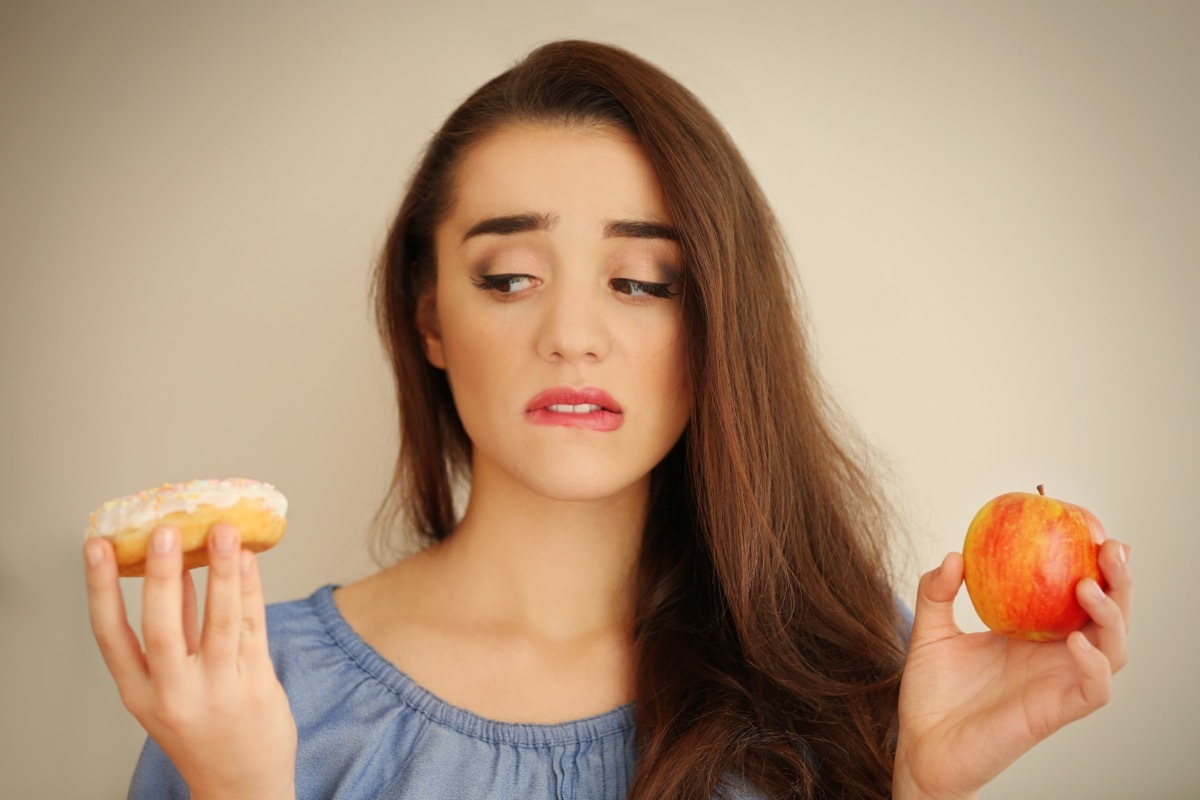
(429, 328)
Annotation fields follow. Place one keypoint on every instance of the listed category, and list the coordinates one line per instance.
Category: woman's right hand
(208, 696)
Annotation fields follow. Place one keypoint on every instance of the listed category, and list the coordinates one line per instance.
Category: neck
(560, 570)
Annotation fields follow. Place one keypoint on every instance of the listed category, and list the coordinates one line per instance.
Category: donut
(258, 510)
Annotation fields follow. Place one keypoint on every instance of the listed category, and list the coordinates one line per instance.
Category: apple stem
(1041, 490)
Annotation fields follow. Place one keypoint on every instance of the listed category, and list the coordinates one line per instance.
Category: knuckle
(158, 640)
(173, 713)
(251, 626)
(225, 706)
(160, 578)
(222, 567)
(170, 718)
(220, 624)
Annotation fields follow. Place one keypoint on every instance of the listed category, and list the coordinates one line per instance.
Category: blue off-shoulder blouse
(368, 732)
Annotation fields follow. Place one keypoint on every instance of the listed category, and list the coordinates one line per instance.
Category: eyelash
(662, 290)
(502, 284)
(497, 283)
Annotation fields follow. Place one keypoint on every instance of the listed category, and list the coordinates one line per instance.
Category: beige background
(994, 207)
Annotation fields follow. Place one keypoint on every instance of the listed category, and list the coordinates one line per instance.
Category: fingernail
(247, 561)
(94, 553)
(223, 539)
(163, 540)
(1123, 553)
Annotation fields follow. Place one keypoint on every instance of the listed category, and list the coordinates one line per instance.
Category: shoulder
(299, 617)
(311, 644)
(299, 623)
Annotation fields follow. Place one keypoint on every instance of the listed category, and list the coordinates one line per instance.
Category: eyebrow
(524, 223)
(508, 225)
(640, 230)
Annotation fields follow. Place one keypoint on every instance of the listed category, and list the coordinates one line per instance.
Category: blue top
(366, 730)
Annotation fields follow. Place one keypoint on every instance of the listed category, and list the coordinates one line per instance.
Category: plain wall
(993, 206)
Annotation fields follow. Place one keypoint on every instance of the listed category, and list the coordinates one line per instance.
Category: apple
(1022, 558)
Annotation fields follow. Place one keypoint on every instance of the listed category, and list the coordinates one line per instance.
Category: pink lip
(606, 418)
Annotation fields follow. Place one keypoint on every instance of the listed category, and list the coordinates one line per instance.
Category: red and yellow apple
(1023, 557)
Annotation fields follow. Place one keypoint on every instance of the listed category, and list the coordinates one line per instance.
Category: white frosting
(138, 510)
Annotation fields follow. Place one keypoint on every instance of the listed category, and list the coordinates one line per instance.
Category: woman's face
(555, 317)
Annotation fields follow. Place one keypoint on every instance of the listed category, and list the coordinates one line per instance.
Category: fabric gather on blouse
(367, 731)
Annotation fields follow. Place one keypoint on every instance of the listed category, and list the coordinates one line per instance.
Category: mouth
(589, 407)
(583, 408)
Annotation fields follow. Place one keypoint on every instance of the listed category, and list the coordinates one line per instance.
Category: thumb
(933, 617)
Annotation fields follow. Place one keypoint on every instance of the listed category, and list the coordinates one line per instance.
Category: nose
(573, 327)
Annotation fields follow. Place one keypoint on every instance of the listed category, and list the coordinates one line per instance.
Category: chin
(581, 487)
(577, 474)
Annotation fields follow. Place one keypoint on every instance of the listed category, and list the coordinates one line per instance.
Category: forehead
(597, 171)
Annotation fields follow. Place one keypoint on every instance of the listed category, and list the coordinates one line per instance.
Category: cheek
(680, 377)
(672, 352)
(471, 364)
(665, 372)
(481, 358)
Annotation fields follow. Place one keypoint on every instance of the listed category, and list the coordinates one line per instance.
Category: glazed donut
(257, 509)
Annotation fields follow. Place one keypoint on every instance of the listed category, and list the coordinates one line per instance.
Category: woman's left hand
(972, 703)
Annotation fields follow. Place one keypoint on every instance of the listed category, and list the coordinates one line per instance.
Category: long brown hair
(769, 645)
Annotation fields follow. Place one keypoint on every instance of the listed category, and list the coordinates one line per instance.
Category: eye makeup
(504, 282)
(642, 288)
(507, 283)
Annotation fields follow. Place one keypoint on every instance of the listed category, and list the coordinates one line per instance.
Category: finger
(119, 645)
(255, 653)
(1095, 685)
(162, 604)
(934, 613)
(1109, 628)
(223, 610)
(1115, 566)
(191, 614)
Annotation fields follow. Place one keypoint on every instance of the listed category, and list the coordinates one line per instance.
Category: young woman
(669, 578)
